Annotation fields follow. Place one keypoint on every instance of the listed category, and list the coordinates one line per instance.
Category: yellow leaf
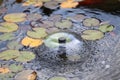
(69, 4)
(4, 70)
(27, 41)
(32, 76)
(36, 3)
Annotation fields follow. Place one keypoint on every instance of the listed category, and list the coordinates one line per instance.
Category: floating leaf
(45, 0)
(64, 24)
(26, 75)
(15, 68)
(106, 28)
(58, 78)
(91, 22)
(78, 17)
(36, 3)
(15, 17)
(7, 76)
(34, 17)
(37, 33)
(69, 4)
(8, 27)
(25, 56)
(92, 35)
(9, 54)
(51, 4)
(6, 36)
(4, 70)
(52, 30)
(14, 45)
(27, 41)
(55, 18)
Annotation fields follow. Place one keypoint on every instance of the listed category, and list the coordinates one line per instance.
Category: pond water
(103, 61)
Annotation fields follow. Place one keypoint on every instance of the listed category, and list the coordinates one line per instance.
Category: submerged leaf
(27, 41)
(6, 36)
(15, 68)
(64, 24)
(106, 28)
(91, 22)
(9, 54)
(26, 75)
(25, 56)
(92, 35)
(15, 17)
(37, 33)
(58, 78)
(8, 27)
(14, 45)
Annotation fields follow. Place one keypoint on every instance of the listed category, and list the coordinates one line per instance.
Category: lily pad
(36, 3)
(25, 56)
(26, 75)
(78, 17)
(58, 78)
(91, 22)
(64, 24)
(51, 4)
(37, 33)
(55, 17)
(15, 17)
(9, 54)
(8, 27)
(15, 68)
(4, 70)
(106, 28)
(14, 45)
(7, 76)
(92, 35)
(52, 30)
(6, 36)
(69, 4)
(34, 17)
(27, 41)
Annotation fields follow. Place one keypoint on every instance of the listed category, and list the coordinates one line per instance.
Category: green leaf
(25, 56)
(15, 17)
(92, 35)
(58, 78)
(91, 22)
(14, 45)
(8, 27)
(9, 54)
(15, 68)
(37, 33)
(6, 36)
(106, 28)
(64, 24)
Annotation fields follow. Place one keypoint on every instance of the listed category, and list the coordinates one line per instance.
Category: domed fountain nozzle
(62, 49)
(62, 40)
